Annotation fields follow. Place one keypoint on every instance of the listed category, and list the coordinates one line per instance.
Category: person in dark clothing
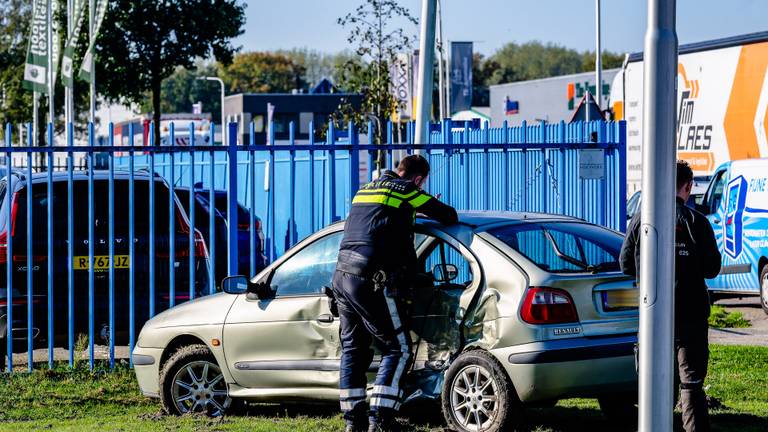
(375, 268)
(696, 258)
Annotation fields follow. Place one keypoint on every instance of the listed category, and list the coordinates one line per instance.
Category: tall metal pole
(426, 64)
(657, 231)
(598, 58)
(441, 61)
(91, 24)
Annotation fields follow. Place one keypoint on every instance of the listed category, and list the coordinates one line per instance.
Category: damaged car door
(289, 339)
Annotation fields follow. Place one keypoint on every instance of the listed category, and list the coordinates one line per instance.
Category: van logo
(567, 331)
(736, 196)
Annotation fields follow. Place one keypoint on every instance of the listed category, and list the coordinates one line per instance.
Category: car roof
(480, 218)
(83, 175)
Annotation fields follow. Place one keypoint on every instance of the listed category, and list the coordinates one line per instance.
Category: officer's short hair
(684, 173)
(413, 165)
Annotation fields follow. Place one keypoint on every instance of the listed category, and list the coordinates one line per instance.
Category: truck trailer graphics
(722, 109)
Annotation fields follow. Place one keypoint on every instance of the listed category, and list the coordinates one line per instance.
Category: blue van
(736, 204)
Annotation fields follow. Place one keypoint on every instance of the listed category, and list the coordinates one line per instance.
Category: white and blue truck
(736, 204)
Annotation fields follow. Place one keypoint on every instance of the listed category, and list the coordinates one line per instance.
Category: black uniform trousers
(367, 316)
(692, 357)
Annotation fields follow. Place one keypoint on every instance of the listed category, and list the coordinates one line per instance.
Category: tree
(375, 29)
(183, 88)
(263, 72)
(143, 41)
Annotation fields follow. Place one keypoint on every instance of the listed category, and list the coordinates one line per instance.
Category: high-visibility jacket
(378, 233)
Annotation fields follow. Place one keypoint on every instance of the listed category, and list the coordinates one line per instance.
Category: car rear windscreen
(564, 247)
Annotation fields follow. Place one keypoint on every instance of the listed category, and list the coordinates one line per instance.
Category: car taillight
(201, 250)
(18, 301)
(243, 226)
(548, 306)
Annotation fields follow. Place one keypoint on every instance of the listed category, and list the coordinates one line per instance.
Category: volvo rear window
(564, 247)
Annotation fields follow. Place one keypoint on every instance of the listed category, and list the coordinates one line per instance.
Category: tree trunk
(156, 90)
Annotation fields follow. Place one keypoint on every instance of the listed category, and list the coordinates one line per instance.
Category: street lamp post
(223, 121)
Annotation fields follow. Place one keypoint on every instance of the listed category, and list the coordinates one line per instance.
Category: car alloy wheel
(199, 387)
(474, 399)
(764, 288)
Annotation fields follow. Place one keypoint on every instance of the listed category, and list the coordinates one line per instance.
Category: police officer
(375, 267)
(696, 258)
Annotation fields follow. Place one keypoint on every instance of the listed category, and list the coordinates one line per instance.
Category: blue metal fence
(293, 189)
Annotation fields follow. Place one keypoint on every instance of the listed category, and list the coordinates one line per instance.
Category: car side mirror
(445, 272)
(235, 284)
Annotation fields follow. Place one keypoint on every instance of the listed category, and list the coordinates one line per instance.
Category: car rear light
(201, 250)
(243, 226)
(18, 301)
(4, 239)
(548, 306)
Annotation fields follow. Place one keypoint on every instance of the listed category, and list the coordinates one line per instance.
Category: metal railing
(294, 188)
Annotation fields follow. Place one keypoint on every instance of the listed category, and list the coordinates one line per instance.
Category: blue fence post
(448, 139)
(171, 220)
(467, 189)
(331, 143)
(131, 248)
(292, 184)
(232, 256)
(49, 184)
(544, 186)
(312, 176)
(252, 208)
(192, 240)
(91, 216)
(30, 292)
(354, 161)
(71, 245)
(390, 141)
(9, 250)
(111, 216)
(505, 153)
(151, 208)
(212, 213)
(271, 193)
(561, 174)
(622, 169)
(371, 152)
(487, 168)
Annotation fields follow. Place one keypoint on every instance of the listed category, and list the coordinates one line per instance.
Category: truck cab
(736, 204)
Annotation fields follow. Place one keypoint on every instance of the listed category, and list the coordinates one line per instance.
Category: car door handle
(325, 318)
(716, 221)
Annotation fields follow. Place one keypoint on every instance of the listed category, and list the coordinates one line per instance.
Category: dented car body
(540, 295)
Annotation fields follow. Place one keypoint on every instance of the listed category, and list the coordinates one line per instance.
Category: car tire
(192, 382)
(619, 407)
(764, 288)
(478, 395)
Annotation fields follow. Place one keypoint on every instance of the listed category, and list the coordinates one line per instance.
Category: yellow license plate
(101, 262)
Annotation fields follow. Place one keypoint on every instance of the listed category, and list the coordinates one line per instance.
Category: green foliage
(143, 42)
(263, 72)
(719, 317)
(376, 31)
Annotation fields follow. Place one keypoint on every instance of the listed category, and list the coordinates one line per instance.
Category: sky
(285, 24)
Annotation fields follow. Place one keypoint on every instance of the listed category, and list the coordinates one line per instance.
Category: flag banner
(67, 62)
(400, 79)
(100, 10)
(461, 77)
(414, 79)
(36, 66)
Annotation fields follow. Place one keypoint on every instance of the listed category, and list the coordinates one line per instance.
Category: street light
(223, 122)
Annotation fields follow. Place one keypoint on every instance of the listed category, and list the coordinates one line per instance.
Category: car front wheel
(191, 382)
(478, 395)
(764, 288)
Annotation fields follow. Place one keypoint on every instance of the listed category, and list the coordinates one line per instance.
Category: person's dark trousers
(692, 347)
(368, 315)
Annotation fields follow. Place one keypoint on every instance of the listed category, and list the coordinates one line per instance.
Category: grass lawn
(80, 400)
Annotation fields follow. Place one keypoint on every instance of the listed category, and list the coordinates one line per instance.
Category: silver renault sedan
(519, 309)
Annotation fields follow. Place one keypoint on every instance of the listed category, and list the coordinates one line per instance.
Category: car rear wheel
(764, 288)
(192, 382)
(478, 395)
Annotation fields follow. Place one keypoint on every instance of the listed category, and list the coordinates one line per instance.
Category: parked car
(202, 223)
(524, 309)
(16, 227)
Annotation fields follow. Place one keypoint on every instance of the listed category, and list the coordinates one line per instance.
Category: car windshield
(564, 247)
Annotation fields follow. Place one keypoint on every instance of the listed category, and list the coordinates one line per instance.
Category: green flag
(36, 66)
(69, 49)
(100, 11)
